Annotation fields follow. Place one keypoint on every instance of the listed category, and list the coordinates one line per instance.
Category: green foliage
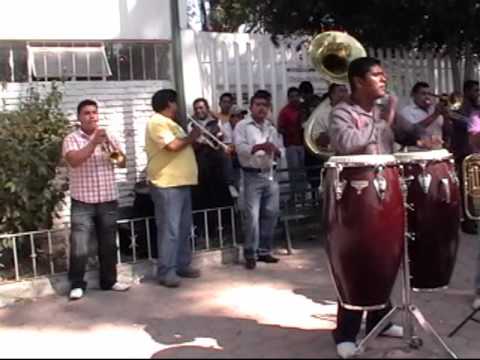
(30, 151)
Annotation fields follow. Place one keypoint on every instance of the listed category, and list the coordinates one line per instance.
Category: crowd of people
(186, 170)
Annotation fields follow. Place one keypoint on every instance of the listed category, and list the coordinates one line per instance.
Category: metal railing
(42, 253)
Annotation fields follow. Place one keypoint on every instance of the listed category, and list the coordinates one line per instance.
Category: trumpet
(213, 141)
(115, 156)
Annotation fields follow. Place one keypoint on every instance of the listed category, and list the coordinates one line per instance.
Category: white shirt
(413, 114)
(227, 132)
(249, 133)
(320, 118)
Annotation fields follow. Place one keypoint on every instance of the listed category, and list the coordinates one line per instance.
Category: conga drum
(433, 217)
(364, 220)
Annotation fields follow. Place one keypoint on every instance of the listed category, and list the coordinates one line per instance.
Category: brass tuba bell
(471, 184)
(331, 53)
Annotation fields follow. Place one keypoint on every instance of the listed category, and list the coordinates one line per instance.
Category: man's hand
(99, 137)
(430, 142)
(195, 133)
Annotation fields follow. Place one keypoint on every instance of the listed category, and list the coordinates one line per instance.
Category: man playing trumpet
(94, 197)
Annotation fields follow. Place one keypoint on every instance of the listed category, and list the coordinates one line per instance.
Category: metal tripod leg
(469, 317)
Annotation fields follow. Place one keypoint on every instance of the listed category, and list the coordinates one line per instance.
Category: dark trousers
(349, 322)
(86, 218)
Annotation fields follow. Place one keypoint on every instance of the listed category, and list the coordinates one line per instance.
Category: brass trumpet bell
(331, 53)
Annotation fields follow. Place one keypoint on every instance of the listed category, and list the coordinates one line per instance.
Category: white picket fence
(243, 63)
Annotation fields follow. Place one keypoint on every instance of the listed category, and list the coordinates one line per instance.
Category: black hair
(419, 85)
(227, 94)
(86, 102)
(469, 85)
(292, 90)
(196, 101)
(261, 94)
(360, 67)
(162, 98)
(306, 87)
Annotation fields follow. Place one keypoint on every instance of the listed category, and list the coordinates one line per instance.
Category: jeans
(349, 321)
(85, 218)
(261, 213)
(173, 217)
(295, 155)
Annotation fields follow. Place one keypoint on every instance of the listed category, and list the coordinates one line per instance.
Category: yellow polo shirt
(168, 168)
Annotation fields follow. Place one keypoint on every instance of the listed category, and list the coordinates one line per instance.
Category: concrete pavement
(284, 310)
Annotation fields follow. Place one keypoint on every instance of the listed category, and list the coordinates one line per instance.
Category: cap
(237, 110)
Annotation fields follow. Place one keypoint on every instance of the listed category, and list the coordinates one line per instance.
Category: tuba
(331, 53)
(471, 184)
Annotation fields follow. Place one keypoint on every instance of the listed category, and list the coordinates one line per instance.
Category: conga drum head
(434, 193)
(364, 223)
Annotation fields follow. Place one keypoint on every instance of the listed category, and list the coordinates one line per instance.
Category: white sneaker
(395, 331)
(233, 191)
(76, 294)
(476, 303)
(120, 287)
(347, 349)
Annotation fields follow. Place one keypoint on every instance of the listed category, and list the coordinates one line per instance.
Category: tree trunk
(470, 63)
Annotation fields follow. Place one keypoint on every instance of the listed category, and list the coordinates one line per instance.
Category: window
(63, 62)
(22, 61)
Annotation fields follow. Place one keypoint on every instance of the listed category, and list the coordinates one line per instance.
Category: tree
(444, 26)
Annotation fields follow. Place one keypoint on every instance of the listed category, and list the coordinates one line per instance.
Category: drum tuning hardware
(410, 206)
(359, 185)
(453, 176)
(339, 184)
(424, 179)
(411, 236)
(446, 187)
(380, 183)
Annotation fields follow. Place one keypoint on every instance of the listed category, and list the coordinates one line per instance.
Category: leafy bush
(30, 152)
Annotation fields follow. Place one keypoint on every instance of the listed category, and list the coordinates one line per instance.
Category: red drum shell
(364, 237)
(435, 223)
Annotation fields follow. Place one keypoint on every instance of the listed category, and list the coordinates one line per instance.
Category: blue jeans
(261, 213)
(173, 217)
(295, 155)
(85, 218)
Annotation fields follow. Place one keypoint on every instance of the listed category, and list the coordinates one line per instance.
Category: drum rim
(361, 160)
(414, 156)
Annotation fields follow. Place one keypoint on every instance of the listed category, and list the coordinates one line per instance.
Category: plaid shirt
(94, 180)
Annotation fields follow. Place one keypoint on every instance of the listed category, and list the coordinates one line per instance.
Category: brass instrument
(115, 156)
(471, 186)
(310, 135)
(213, 141)
(331, 53)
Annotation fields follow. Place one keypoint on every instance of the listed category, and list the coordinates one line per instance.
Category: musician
(258, 146)
(460, 145)
(290, 126)
(171, 171)
(355, 128)
(226, 102)
(321, 115)
(94, 199)
(421, 118)
(474, 140)
(212, 190)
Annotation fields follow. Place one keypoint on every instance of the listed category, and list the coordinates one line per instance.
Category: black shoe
(469, 227)
(250, 263)
(268, 259)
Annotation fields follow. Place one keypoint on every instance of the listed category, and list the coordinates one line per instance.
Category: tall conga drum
(433, 217)
(364, 219)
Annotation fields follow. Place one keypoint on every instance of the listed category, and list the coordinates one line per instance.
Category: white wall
(85, 19)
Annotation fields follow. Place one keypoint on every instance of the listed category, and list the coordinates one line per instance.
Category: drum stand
(408, 309)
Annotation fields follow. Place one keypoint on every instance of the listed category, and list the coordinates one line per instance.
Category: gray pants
(261, 210)
(173, 217)
(296, 168)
